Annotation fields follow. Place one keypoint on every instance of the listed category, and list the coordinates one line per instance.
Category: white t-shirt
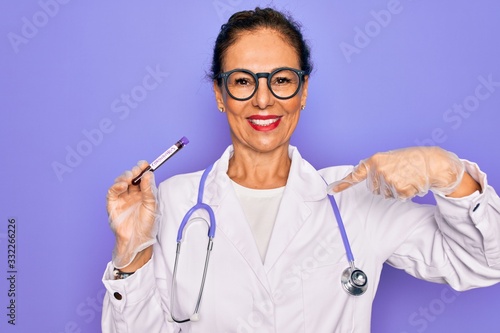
(260, 208)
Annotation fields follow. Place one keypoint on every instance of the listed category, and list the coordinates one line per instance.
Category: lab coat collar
(303, 178)
(304, 185)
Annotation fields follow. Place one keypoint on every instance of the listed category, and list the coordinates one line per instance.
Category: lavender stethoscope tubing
(353, 280)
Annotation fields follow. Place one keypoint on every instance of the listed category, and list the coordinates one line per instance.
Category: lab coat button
(118, 296)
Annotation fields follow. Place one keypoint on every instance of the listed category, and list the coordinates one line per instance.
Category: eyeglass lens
(283, 84)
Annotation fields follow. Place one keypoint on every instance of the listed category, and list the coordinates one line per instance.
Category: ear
(219, 98)
(305, 85)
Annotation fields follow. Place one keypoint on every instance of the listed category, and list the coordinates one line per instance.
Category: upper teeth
(263, 122)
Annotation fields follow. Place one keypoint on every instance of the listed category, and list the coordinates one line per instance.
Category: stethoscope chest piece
(354, 281)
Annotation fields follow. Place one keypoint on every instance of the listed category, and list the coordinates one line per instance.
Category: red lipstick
(264, 123)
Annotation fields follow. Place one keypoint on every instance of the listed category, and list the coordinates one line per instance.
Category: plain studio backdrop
(88, 88)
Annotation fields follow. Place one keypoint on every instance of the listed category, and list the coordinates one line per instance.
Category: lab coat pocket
(327, 306)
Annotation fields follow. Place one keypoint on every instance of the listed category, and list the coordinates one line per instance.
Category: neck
(259, 170)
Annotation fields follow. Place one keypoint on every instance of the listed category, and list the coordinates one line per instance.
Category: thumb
(357, 175)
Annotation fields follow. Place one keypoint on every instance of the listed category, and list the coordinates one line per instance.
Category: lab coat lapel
(231, 220)
(304, 185)
(235, 228)
(291, 217)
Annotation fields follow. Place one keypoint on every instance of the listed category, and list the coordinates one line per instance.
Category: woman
(278, 257)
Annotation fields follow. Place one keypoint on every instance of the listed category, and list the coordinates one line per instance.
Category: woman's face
(263, 123)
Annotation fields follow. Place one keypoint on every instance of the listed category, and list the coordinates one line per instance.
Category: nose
(263, 96)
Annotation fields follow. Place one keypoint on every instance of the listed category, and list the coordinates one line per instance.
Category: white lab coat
(298, 287)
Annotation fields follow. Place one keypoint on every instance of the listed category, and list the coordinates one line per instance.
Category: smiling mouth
(264, 123)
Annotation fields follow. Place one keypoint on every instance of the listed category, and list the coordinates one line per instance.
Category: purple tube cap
(184, 141)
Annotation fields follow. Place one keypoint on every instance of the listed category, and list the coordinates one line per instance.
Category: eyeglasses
(284, 82)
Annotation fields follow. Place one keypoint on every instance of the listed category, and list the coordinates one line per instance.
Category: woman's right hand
(132, 211)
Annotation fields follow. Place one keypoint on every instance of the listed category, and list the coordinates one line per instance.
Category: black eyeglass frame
(300, 73)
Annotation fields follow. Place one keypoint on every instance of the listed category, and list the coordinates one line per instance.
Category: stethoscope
(353, 280)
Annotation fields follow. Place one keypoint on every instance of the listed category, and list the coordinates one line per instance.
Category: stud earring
(221, 109)
(302, 107)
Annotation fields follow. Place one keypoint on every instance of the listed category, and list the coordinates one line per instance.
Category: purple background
(66, 65)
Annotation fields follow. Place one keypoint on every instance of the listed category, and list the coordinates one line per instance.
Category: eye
(241, 79)
(242, 82)
(282, 80)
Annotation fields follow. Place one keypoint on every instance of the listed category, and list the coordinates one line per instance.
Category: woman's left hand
(408, 172)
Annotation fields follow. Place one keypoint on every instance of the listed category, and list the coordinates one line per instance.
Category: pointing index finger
(357, 175)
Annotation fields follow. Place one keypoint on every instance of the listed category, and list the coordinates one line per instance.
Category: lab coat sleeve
(461, 244)
(145, 297)
(134, 304)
